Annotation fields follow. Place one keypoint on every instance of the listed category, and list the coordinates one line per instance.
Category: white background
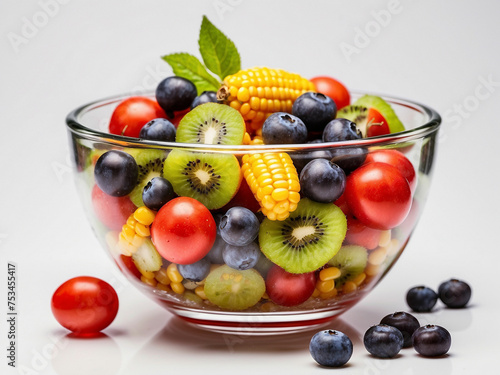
(440, 53)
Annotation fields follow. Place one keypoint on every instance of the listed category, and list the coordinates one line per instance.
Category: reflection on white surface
(87, 355)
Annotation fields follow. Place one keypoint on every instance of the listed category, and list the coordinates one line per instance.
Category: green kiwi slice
(233, 289)
(355, 113)
(384, 108)
(150, 165)
(351, 261)
(211, 123)
(307, 239)
(212, 179)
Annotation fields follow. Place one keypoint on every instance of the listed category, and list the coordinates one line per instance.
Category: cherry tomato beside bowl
(132, 114)
(378, 195)
(334, 89)
(183, 231)
(85, 304)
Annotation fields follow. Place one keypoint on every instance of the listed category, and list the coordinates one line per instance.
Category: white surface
(438, 53)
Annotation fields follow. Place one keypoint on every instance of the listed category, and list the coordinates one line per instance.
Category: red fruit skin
(334, 89)
(289, 289)
(244, 198)
(378, 195)
(132, 114)
(126, 265)
(342, 204)
(377, 125)
(183, 231)
(113, 212)
(177, 117)
(85, 305)
(361, 235)
(398, 160)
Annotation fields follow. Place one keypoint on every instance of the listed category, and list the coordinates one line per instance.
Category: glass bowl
(331, 295)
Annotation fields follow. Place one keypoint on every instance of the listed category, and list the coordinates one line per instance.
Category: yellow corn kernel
(316, 293)
(128, 233)
(327, 295)
(358, 280)
(349, 287)
(273, 180)
(131, 221)
(275, 90)
(144, 215)
(174, 274)
(147, 274)
(325, 286)
(148, 281)
(142, 230)
(162, 277)
(200, 292)
(329, 273)
(377, 256)
(165, 288)
(372, 269)
(385, 238)
(177, 287)
(268, 307)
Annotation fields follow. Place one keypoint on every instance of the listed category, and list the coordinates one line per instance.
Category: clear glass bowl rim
(431, 125)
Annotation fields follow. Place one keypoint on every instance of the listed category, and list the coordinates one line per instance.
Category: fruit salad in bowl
(264, 203)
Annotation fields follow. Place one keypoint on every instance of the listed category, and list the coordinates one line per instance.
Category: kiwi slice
(384, 108)
(233, 289)
(212, 179)
(355, 113)
(351, 261)
(307, 239)
(150, 165)
(213, 124)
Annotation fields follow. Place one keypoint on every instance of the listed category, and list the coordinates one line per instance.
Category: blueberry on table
(340, 129)
(322, 181)
(431, 340)
(404, 322)
(383, 341)
(454, 293)
(283, 128)
(116, 173)
(421, 298)
(158, 129)
(315, 110)
(157, 192)
(331, 348)
(175, 94)
(239, 226)
(204, 97)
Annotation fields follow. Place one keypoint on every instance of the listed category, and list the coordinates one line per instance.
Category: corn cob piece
(258, 92)
(135, 230)
(274, 181)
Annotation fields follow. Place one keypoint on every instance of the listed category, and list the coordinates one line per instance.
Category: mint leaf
(189, 67)
(218, 52)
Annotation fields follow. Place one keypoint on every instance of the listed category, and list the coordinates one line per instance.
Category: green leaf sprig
(219, 55)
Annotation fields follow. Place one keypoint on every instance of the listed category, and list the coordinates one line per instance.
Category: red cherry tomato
(85, 304)
(377, 124)
(361, 235)
(177, 117)
(183, 231)
(334, 89)
(398, 160)
(126, 265)
(289, 289)
(378, 195)
(113, 212)
(243, 197)
(132, 114)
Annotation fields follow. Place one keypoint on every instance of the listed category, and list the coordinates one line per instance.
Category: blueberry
(404, 322)
(241, 257)
(431, 340)
(196, 271)
(204, 97)
(349, 158)
(283, 128)
(383, 341)
(322, 181)
(239, 226)
(159, 129)
(116, 173)
(454, 293)
(300, 159)
(331, 348)
(315, 110)
(175, 94)
(157, 192)
(215, 253)
(341, 129)
(421, 298)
